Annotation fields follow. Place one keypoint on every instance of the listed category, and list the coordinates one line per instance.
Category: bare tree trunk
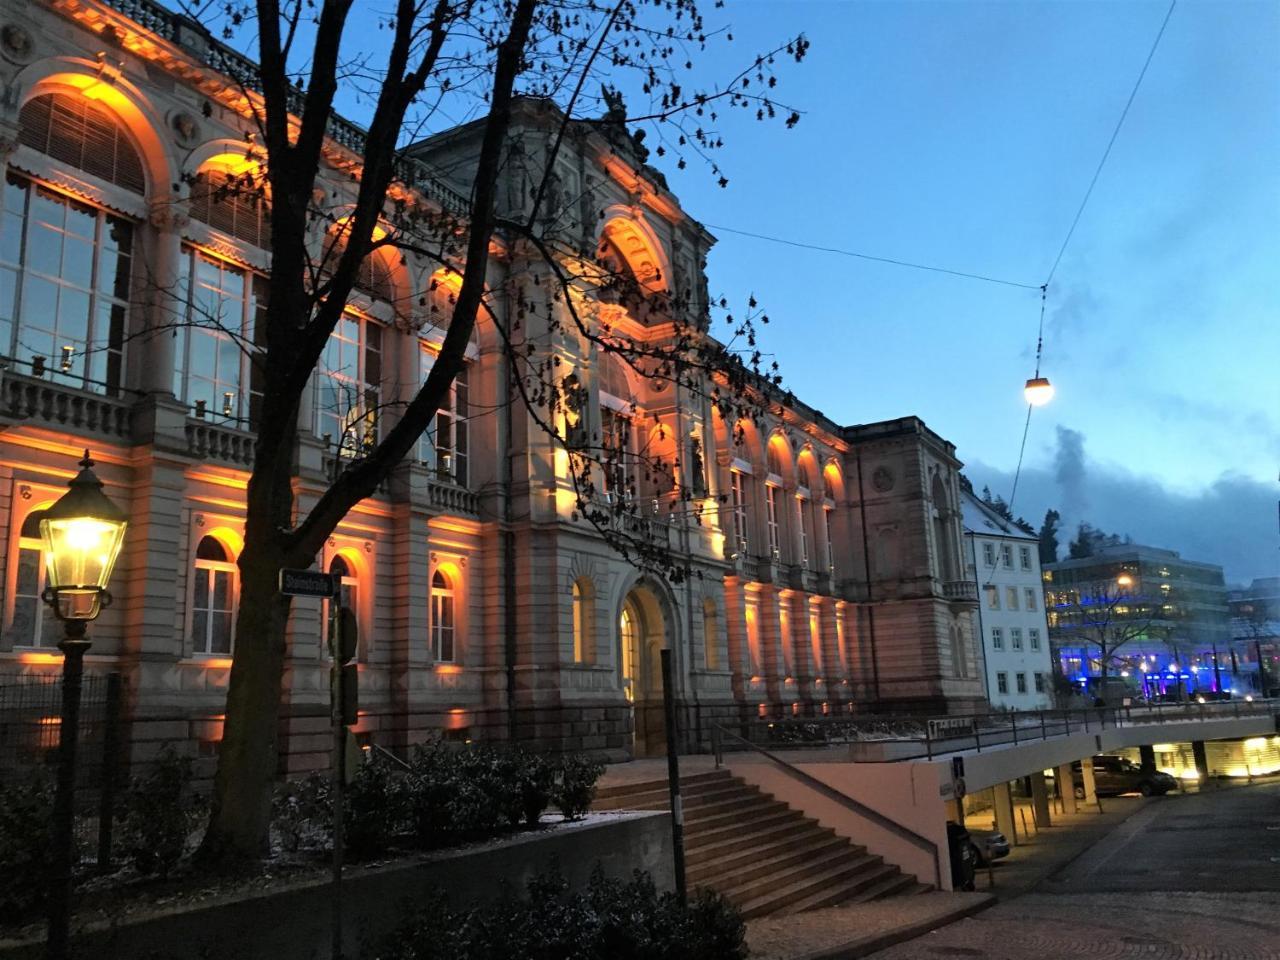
(241, 814)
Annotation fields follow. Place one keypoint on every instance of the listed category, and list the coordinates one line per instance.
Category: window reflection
(65, 271)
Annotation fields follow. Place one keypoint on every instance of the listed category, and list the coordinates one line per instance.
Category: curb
(865, 946)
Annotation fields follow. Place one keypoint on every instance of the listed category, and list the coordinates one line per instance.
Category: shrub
(375, 810)
(611, 920)
(301, 812)
(158, 813)
(535, 779)
(25, 815)
(577, 784)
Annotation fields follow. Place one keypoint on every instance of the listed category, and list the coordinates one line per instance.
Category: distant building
(1005, 562)
(1255, 634)
(1165, 619)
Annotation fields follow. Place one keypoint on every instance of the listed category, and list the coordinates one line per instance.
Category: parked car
(1116, 775)
(988, 846)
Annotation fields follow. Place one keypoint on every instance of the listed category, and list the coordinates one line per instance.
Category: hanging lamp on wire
(1039, 390)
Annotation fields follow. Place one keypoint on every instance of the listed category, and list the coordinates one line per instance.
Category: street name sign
(307, 583)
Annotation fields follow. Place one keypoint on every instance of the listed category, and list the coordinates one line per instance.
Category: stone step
(702, 848)
(843, 878)
(740, 817)
(743, 865)
(892, 883)
(688, 784)
(831, 866)
(660, 799)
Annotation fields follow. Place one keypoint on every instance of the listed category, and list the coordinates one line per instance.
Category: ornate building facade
(828, 572)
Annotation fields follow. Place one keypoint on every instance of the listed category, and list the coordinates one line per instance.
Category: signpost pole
(339, 772)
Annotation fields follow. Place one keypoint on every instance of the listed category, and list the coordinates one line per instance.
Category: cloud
(1231, 522)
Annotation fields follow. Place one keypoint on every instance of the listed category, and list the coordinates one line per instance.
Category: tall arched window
(348, 594)
(234, 203)
(213, 598)
(33, 623)
(443, 617)
(629, 650)
(584, 646)
(75, 130)
(445, 446)
(218, 373)
(349, 386)
(65, 274)
(710, 635)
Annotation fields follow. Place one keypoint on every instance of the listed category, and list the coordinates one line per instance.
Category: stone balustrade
(47, 402)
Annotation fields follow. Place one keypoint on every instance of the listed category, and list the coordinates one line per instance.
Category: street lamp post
(82, 535)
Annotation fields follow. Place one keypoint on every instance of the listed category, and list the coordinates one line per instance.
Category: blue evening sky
(963, 135)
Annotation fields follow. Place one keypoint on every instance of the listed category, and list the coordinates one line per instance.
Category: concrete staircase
(764, 857)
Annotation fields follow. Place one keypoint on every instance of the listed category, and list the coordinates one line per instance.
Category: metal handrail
(917, 840)
(941, 733)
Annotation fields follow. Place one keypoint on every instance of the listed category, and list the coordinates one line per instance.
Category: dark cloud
(1232, 522)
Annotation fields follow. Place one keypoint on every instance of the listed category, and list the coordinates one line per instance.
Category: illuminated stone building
(829, 568)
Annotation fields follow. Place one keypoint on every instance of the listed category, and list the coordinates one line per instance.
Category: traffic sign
(308, 583)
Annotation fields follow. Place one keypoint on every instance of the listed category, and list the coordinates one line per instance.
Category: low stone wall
(293, 923)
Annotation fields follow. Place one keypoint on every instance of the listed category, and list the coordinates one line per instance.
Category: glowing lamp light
(1124, 580)
(1038, 391)
(82, 534)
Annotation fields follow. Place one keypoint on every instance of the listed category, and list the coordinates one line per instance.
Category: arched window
(33, 623)
(815, 642)
(959, 663)
(774, 457)
(584, 647)
(348, 594)
(75, 130)
(213, 597)
(629, 643)
(445, 445)
(65, 276)
(443, 617)
(349, 386)
(710, 635)
(754, 656)
(217, 373)
(236, 204)
(375, 277)
(802, 476)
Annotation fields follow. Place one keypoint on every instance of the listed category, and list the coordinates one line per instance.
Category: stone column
(1147, 755)
(1067, 787)
(166, 302)
(1040, 799)
(1202, 760)
(1002, 801)
(1086, 776)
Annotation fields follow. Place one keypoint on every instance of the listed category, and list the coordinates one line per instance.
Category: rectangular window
(993, 597)
(988, 554)
(1006, 556)
(349, 386)
(1002, 682)
(1024, 557)
(831, 546)
(1039, 683)
(1033, 634)
(445, 446)
(801, 533)
(1022, 683)
(1029, 594)
(1015, 637)
(739, 495)
(997, 638)
(615, 445)
(216, 349)
(771, 506)
(33, 624)
(212, 608)
(1011, 598)
(65, 275)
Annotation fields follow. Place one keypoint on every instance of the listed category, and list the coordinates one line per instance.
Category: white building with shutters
(1004, 560)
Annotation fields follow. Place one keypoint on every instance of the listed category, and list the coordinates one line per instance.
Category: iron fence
(30, 732)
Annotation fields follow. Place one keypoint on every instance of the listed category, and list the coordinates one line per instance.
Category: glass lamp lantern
(82, 534)
(1038, 391)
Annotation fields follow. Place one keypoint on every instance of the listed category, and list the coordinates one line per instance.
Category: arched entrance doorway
(642, 633)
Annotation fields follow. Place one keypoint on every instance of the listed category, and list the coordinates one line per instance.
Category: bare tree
(1103, 618)
(487, 52)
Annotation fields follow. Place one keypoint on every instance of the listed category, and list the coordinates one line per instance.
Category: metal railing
(930, 736)
(917, 840)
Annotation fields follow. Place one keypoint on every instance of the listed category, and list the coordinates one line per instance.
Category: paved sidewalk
(859, 929)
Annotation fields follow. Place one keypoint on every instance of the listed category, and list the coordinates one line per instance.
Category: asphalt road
(1185, 877)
